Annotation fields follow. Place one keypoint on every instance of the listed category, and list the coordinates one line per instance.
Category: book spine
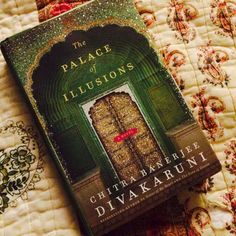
(52, 152)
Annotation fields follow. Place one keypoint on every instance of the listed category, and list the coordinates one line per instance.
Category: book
(113, 118)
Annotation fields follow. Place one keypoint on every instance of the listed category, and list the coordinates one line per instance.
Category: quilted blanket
(197, 42)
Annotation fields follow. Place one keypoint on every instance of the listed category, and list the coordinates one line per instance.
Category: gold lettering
(64, 67)
(73, 65)
(81, 61)
(105, 77)
(74, 95)
(175, 156)
(111, 206)
(90, 85)
(168, 174)
(98, 81)
(188, 148)
(91, 57)
(75, 45)
(81, 90)
(202, 156)
(65, 97)
(78, 44)
(192, 162)
(107, 48)
(112, 74)
(92, 199)
(99, 52)
(157, 181)
(196, 145)
(122, 70)
(130, 66)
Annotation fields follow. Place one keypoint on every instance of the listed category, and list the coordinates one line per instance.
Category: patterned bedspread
(197, 42)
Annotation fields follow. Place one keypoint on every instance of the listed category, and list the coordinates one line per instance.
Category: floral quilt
(196, 40)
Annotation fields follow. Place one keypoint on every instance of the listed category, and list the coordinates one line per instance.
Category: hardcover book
(114, 120)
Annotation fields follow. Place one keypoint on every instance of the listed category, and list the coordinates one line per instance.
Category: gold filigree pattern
(133, 153)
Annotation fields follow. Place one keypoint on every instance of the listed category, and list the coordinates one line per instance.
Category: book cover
(114, 120)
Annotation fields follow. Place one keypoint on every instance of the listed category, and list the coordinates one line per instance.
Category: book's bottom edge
(156, 199)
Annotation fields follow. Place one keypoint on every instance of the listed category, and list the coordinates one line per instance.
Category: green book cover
(114, 120)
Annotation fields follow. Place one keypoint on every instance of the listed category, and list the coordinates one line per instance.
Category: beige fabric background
(44, 210)
(41, 208)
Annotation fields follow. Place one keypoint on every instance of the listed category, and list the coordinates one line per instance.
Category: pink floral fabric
(50, 8)
(196, 40)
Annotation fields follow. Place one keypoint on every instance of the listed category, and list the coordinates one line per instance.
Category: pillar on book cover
(188, 138)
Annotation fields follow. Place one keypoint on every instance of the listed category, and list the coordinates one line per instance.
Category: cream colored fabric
(189, 54)
(42, 207)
